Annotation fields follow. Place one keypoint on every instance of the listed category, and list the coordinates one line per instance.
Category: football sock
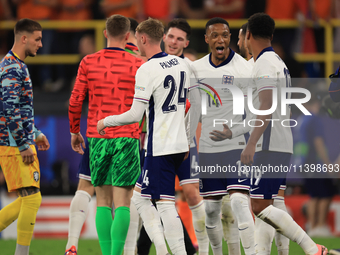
(9, 213)
(119, 229)
(282, 242)
(284, 223)
(78, 212)
(185, 215)
(240, 207)
(198, 218)
(151, 220)
(264, 234)
(131, 238)
(213, 224)
(21, 250)
(230, 228)
(173, 229)
(26, 219)
(103, 225)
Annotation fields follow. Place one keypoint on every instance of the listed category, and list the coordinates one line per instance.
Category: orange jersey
(31, 10)
(108, 76)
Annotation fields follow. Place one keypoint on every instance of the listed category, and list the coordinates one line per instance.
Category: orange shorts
(17, 173)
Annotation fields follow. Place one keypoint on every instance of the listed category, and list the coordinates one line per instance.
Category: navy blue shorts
(186, 172)
(158, 176)
(267, 188)
(220, 186)
(84, 171)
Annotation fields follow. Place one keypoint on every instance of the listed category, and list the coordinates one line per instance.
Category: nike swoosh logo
(142, 188)
(239, 180)
(193, 175)
(254, 189)
(210, 227)
(199, 231)
(243, 228)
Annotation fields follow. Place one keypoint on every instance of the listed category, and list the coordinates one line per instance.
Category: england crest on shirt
(228, 79)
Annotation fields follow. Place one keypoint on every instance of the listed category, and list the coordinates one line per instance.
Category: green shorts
(114, 161)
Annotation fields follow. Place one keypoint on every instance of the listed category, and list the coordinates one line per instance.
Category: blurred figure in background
(312, 150)
(68, 40)
(127, 8)
(164, 10)
(226, 9)
(40, 10)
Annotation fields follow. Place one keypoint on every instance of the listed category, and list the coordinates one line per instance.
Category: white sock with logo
(240, 206)
(285, 224)
(131, 238)
(151, 220)
(78, 212)
(198, 219)
(264, 234)
(282, 242)
(213, 224)
(173, 229)
(230, 228)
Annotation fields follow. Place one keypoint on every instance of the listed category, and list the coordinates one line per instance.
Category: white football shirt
(162, 82)
(271, 72)
(233, 71)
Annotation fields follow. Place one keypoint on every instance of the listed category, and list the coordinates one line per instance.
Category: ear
(24, 39)
(127, 36)
(105, 33)
(143, 37)
(247, 35)
(271, 38)
(206, 38)
(164, 37)
(186, 44)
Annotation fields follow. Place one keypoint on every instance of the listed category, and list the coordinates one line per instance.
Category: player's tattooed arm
(24, 192)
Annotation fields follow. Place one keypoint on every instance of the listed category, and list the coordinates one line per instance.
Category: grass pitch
(91, 247)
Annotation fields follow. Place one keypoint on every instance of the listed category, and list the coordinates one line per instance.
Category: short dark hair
(244, 28)
(117, 25)
(27, 25)
(153, 28)
(261, 25)
(181, 24)
(133, 25)
(215, 20)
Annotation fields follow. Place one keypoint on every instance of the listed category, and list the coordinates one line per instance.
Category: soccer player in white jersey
(281, 242)
(227, 67)
(176, 39)
(161, 88)
(276, 142)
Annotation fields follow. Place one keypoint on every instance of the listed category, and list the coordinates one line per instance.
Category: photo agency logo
(242, 99)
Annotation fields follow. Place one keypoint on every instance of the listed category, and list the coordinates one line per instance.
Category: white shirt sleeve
(143, 90)
(265, 77)
(134, 115)
(195, 111)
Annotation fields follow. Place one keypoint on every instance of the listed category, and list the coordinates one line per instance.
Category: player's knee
(237, 201)
(212, 208)
(192, 197)
(32, 201)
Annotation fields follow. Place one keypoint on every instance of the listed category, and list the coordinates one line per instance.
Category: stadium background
(307, 38)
